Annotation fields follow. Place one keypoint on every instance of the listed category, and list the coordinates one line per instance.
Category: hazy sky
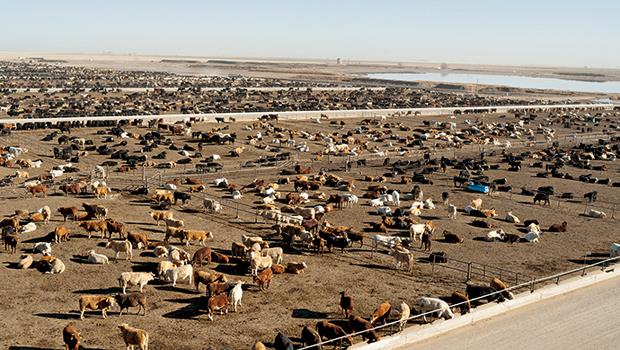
(544, 32)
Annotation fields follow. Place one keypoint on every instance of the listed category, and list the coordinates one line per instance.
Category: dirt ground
(35, 306)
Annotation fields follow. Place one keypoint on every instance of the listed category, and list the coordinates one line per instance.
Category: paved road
(584, 319)
(305, 115)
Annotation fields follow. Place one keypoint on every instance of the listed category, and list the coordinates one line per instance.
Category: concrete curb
(301, 115)
(416, 334)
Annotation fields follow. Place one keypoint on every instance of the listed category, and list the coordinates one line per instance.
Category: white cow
(496, 235)
(534, 228)
(452, 211)
(120, 247)
(212, 205)
(180, 273)
(221, 182)
(377, 202)
(426, 304)
(596, 214)
(512, 218)
(275, 254)
(135, 279)
(384, 211)
(532, 237)
(258, 262)
(57, 267)
(29, 227)
(416, 230)
(96, 258)
(235, 295)
(349, 200)
(43, 248)
(385, 241)
(428, 204)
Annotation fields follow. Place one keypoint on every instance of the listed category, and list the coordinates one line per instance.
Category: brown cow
(200, 255)
(68, 211)
(206, 278)
(115, 227)
(558, 227)
(461, 297)
(381, 313)
(40, 188)
(217, 303)
(263, 279)
(96, 302)
(95, 226)
(450, 237)
(328, 330)
(346, 303)
(138, 238)
(60, 233)
(71, 336)
(219, 258)
(215, 288)
(359, 324)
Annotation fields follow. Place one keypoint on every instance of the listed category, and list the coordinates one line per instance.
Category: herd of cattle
(42, 76)
(297, 202)
(104, 96)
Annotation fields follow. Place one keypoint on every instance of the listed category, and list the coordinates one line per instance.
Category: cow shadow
(147, 254)
(59, 315)
(191, 211)
(14, 265)
(237, 270)
(49, 237)
(190, 311)
(109, 290)
(588, 260)
(138, 223)
(144, 266)
(148, 229)
(309, 314)
(373, 266)
(429, 217)
(170, 288)
(80, 259)
(480, 239)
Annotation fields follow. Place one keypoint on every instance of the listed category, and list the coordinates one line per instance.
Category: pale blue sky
(537, 32)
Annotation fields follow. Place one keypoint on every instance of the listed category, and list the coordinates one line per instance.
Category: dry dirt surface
(35, 307)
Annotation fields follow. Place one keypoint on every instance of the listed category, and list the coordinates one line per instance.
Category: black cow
(184, 197)
(125, 301)
(542, 198)
(590, 197)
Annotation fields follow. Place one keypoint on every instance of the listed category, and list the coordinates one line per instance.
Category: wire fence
(530, 285)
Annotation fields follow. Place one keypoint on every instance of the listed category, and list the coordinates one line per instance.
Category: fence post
(237, 215)
(433, 267)
(468, 271)
(531, 284)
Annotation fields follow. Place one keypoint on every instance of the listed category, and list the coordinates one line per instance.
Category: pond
(505, 80)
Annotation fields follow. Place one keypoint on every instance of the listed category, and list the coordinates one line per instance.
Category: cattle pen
(296, 300)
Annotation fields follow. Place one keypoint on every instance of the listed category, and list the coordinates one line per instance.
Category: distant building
(338, 61)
